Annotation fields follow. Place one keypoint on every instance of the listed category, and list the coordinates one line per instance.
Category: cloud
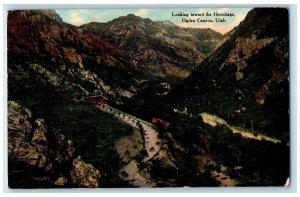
(76, 18)
(82, 16)
(142, 13)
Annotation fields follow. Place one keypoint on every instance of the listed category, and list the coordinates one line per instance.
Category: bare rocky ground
(47, 157)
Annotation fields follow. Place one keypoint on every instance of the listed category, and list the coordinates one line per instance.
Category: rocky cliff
(40, 156)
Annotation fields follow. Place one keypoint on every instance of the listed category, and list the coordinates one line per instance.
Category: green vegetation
(93, 132)
(146, 103)
(186, 169)
(261, 163)
(250, 162)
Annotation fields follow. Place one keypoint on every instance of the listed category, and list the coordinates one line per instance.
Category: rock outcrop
(84, 175)
(40, 156)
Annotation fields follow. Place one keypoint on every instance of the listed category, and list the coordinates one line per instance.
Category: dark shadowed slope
(246, 80)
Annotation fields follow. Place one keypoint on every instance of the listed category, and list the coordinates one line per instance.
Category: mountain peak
(132, 17)
(42, 16)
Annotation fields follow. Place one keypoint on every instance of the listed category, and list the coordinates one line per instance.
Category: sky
(83, 16)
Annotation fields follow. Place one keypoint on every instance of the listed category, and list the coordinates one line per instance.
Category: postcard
(148, 97)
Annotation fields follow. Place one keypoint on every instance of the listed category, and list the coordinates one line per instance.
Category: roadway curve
(150, 134)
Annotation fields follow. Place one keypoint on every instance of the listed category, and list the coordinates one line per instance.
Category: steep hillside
(77, 63)
(52, 66)
(161, 49)
(246, 80)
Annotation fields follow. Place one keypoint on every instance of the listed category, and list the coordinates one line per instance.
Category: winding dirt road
(150, 134)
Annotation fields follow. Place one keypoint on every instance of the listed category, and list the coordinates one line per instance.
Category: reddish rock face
(19, 36)
(33, 39)
(71, 55)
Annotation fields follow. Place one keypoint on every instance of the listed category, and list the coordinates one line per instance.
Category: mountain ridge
(255, 89)
(151, 44)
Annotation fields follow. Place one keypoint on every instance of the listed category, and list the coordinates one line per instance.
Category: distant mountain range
(161, 49)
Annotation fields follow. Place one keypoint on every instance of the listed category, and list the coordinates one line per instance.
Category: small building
(96, 100)
(164, 86)
(161, 122)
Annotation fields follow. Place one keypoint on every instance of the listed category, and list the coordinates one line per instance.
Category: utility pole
(252, 126)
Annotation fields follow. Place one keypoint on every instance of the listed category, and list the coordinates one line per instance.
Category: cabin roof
(97, 96)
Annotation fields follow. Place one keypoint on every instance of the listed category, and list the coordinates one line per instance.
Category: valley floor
(146, 136)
